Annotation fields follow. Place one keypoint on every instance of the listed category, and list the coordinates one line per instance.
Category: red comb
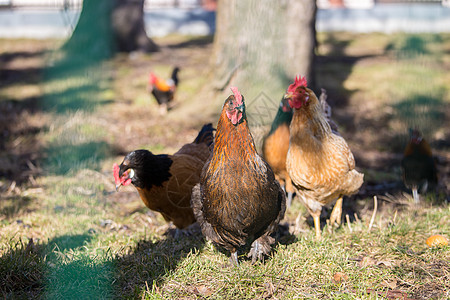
(116, 173)
(299, 81)
(152, 78)
(237, 94)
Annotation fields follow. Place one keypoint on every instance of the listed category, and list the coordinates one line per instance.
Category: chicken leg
(316, 218)
(336, 213)
(415, 194)
(234, 259)
(289, 190)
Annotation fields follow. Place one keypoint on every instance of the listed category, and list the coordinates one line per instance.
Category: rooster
(275, 147)
(418, 166)
(165, 182)
(238, 200)
(319, 162)
(163, 90)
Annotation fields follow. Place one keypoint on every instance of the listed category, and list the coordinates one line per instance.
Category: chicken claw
(261, 247)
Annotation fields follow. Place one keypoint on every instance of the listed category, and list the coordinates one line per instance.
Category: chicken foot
(260, 247)
(336, 213)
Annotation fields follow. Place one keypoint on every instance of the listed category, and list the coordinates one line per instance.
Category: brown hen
(238, 200)
(165, 182)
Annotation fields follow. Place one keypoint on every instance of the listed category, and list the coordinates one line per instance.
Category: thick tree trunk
(301, 39)
(129, 27)
(107, 26)
(262, 44)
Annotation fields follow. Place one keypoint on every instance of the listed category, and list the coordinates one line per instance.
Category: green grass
(65, 233)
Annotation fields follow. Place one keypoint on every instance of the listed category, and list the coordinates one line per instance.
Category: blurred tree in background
(263, 44)
(107, 26)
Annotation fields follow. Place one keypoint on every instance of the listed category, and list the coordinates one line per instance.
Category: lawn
(66, 233)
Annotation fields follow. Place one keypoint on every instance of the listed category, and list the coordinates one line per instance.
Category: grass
(65, 233)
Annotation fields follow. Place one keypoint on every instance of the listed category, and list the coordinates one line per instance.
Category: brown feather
(238, 200)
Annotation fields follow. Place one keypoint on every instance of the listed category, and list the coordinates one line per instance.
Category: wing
(199, 151)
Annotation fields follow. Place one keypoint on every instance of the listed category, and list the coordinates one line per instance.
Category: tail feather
(174, 75)
(205, 135)
(327, 111)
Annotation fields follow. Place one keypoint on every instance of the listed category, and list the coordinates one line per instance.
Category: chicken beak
(118, 186)
(240, 108)
(288, 96)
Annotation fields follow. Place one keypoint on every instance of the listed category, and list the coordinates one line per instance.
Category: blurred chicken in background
(163, 90)
(418, 165)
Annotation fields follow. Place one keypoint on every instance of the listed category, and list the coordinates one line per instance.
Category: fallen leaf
(386, 263)
(339, 277)
(436, 241)
(202, 290)
(392, 284)
(367, 261)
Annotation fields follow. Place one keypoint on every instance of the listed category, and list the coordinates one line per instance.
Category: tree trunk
(129, 27)
(301, 39)
(262, 44)
(107, 26)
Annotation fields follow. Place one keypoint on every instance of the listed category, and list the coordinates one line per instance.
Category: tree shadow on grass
(25, 266)
(70, 84)
(412, 45)
(84, 97)
(201, 41)
(60, 269)
(422, 111)
(332, 70)
(62, 158)
(150, 261)
(15, 76)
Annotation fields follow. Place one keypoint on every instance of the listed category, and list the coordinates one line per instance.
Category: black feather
(150, 170)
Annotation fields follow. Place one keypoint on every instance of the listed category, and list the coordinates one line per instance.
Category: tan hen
(319, 162)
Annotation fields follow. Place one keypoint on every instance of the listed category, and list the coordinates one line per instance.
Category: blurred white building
(57, 18)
